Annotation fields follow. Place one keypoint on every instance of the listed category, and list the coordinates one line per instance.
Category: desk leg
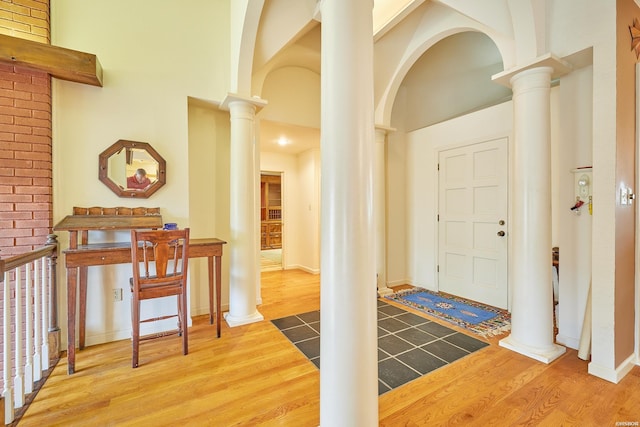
(210, 265)
(71, 319)
(83, 305)
(218, 292)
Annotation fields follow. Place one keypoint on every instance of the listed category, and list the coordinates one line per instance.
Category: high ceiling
(474, 54)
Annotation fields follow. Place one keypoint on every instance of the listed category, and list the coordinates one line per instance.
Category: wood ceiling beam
(62, 63)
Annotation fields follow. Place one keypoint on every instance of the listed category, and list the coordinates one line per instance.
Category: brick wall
(25, 135)
(26, 19)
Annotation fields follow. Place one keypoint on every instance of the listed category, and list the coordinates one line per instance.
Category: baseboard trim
(233, 321)
(303, 268)
(399, 282)
(613, 375)
(570, 342)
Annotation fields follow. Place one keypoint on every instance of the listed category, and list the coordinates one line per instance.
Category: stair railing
(30, 337)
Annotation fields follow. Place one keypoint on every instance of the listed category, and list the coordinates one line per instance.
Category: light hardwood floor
(253, 376)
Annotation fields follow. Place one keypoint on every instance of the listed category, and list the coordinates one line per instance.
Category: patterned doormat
(479, 318)
(409, 345)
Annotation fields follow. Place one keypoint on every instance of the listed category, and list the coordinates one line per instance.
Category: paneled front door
(472, 228)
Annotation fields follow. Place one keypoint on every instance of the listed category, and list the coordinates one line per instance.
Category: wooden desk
(81, 256)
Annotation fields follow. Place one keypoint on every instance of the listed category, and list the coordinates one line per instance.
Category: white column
(348, 309)
(532, 302)
(380, 210)
(243, 242)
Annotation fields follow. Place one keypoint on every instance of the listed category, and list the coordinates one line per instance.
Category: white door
(472, 215)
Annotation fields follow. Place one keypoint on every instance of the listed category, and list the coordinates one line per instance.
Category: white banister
(28, 298)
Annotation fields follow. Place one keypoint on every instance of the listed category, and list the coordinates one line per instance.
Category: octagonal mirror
(132, 169)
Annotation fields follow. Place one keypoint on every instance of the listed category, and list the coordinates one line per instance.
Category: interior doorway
(271, 221)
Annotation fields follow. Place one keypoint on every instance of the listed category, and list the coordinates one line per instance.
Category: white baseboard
(303, 268)
(399, 282)
(204, 310)
(613, 375)
(125, 334)
(570, 342)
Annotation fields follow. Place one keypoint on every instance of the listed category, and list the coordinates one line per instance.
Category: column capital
(559, 67)
(256, 101)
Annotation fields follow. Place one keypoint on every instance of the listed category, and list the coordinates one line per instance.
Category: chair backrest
(167, 249)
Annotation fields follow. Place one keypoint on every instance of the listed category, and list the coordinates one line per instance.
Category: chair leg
(135, 328)
(185, 325)
(179, 307)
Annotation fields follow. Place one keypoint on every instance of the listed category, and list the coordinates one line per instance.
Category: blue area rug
(481, 319)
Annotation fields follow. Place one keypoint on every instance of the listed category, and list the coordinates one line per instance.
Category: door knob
(501, 222)
(500, 233)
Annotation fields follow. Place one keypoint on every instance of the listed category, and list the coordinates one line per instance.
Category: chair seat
(173, 286)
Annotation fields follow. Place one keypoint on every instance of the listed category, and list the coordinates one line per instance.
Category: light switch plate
(624, 196)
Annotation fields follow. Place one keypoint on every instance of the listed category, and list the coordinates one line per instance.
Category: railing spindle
(18, 379)
(28, 328)
(37, 319)
(46, 298)
(7, 391)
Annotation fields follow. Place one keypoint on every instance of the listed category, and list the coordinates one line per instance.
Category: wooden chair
(168, 250)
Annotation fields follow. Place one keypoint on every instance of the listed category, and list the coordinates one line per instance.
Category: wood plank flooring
(254, 376)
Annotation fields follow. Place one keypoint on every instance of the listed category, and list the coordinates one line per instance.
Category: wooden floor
(253, 376)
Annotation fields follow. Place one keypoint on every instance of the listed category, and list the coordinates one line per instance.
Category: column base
(384, 291)
(242, 320)
(543, 356)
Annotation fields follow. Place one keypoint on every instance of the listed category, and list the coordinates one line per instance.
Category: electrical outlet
(117, 294)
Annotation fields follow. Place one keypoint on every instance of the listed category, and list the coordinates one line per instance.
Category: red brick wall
(25, 136)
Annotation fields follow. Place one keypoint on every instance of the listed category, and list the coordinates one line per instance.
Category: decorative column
(532, 287)
(380, 209)
(243, 244)
(348, 308)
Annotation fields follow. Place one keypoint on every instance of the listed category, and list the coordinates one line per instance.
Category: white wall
(305, 251)
(397, 191)
(153, 59)
(571, 127)
(575, 112)
(209, 187)
(422, 147)
(293, 95)
(301, 189)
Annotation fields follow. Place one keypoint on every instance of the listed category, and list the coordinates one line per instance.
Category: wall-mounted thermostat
(583, 183)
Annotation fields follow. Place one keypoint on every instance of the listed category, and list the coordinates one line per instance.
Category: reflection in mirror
(132, 169)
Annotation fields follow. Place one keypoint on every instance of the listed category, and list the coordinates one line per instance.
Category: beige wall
(149, 72)
(209, 137)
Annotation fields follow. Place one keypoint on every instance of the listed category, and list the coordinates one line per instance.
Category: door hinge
(438, 166)
(438, 218)
(438, 268)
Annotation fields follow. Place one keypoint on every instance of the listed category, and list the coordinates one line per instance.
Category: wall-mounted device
(583, 187)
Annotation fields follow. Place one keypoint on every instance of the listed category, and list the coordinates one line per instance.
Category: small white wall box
(583, 183)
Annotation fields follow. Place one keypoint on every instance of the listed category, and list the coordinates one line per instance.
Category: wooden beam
(65, 64)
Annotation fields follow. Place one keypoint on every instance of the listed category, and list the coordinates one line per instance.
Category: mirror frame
(103, 169)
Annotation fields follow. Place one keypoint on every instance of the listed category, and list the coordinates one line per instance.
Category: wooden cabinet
(270, 212)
